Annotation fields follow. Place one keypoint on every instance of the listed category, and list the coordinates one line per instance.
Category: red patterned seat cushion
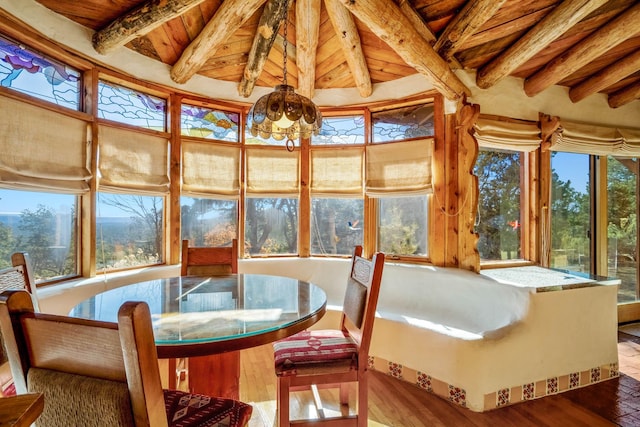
(313, 348)
(191, 410)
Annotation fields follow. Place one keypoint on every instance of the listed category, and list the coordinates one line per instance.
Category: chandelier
(283, 113)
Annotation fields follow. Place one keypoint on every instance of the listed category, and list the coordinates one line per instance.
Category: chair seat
(191, 410)
(315, 352)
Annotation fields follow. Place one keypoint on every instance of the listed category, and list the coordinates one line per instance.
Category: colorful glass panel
(131, 107)
(415, 121)
(202, 122)
(34, 74)
(342, 130)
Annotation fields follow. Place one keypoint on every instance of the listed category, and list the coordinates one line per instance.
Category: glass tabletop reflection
(205, 315)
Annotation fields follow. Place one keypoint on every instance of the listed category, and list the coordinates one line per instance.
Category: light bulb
(283, 122)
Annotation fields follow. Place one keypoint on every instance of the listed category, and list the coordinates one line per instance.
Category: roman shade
(132, 162)
(399, 168)
(272, 172)
(210, 170)
(337, 171)
(42, 149)
(507, 135)
(585, 138)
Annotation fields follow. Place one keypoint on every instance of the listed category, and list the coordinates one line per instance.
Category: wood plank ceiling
(587, 45)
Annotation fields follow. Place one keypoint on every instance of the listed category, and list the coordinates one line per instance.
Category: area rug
(631, 329)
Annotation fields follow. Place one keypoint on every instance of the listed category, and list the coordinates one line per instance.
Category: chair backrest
(361, 299)
(214, 261)
(88, 370)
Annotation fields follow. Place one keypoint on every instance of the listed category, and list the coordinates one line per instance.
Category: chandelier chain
(284, 43)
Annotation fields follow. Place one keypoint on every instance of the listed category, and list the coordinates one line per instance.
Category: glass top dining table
(199, 315)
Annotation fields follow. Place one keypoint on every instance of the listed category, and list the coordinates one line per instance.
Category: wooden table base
(217, 375)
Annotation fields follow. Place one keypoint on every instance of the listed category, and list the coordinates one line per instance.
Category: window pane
(336, 225)
(34, 74)
(498, 221)
(207, 123)
(340, 131)
(129, 231)
(45, 226)
(622, 231)
(258, 140)
(403, 123)
(402, 228)
(271, 226)
(131, 107)
(570, 212)
(209, 222)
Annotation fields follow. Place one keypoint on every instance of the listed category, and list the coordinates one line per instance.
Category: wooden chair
(214, 261)
(17, 277)
(334, 358)
(96, 373)
(209, 261)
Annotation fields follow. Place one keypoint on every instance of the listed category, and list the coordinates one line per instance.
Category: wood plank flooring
(397, 403)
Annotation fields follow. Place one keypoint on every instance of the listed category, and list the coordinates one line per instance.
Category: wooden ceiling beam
(349, 39)
(472, 16)
(270, 20)
(418, 23)
(228, 18)
(307, 17)
(606, 77)
(553, 25)
(386, 20)
(625, 95)
(606, 37)
(139, 22)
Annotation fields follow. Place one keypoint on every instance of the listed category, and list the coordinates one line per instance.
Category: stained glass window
(202, 122)
(34, 74)
(258, 140)
(340, 131)
(414, 121)
(131, 107)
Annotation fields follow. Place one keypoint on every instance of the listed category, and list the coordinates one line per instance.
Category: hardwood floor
(397, 403)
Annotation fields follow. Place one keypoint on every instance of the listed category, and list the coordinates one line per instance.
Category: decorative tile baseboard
(500, 398)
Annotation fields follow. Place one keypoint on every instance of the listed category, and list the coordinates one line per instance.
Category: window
(131, 107)
(208, 123)
(129, 231)
(498, 220)
(35, 74)
(271, 226)
(570, 212)
(44, 225)
(209, 222)
(403, 123)
(402, 225)
(341, 130)
(337, 225)
(622, 228)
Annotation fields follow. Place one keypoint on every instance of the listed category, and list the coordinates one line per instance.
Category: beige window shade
(210, 170)
(42, 150)
(597, 140)
(272, 172)
(132, 162)
(336, 172)
(399, 168)
(504, 135)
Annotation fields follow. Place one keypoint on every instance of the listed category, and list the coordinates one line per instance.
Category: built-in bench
(481, 341)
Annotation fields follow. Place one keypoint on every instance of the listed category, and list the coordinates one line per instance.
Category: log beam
(307, 17)
(606, 77)
(387, 21)
(472, 16)
(349, 38)
(605, 38)
(272, 16)
(418, 23)
(625, 95)
(139, 22)
(557, 22)
(227, 20)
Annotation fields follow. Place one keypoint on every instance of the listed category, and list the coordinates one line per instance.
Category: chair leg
(363, 401)
(283, 401)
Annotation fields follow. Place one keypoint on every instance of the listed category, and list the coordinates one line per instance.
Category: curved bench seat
(464, 336)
